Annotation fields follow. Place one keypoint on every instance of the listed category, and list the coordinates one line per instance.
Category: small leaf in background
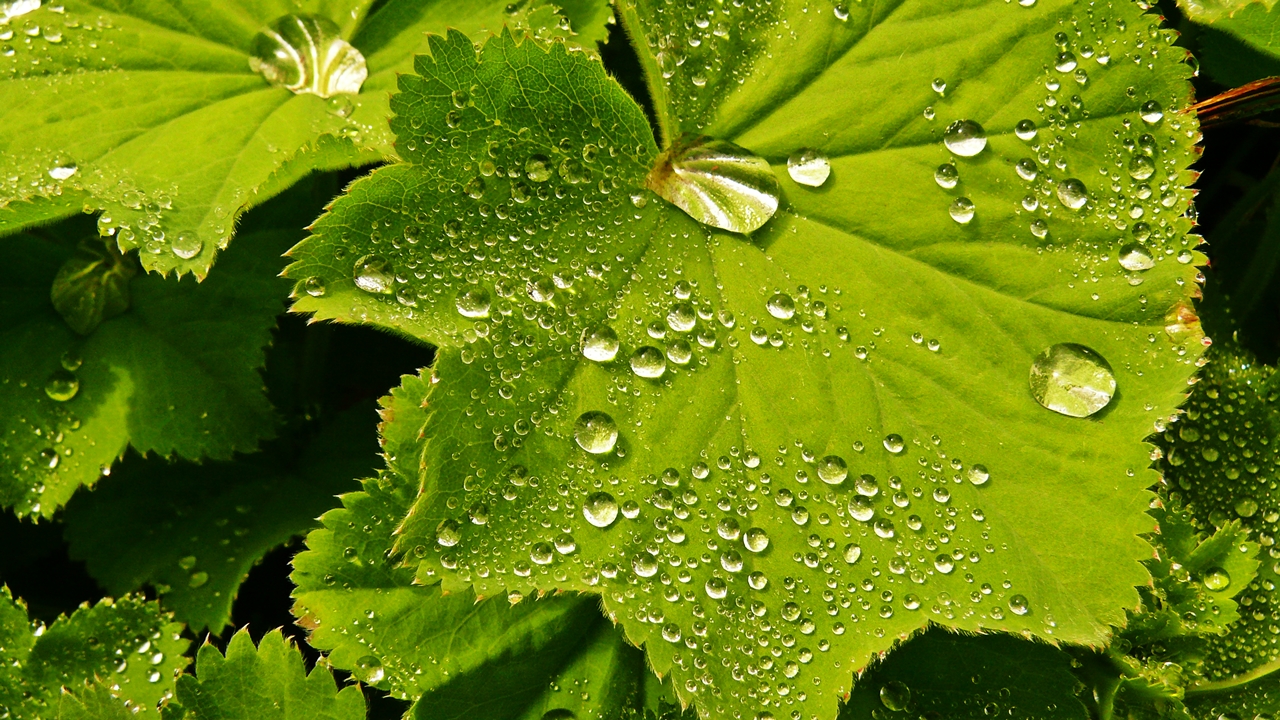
(128, 644)
(92, 285)
(269, 682)
(176, 374)
(174, 117)
(194, 531)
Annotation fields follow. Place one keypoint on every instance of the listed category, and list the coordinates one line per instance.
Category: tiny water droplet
(808, 167)
(1072, 380)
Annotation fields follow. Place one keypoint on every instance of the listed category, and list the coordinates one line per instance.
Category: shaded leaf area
(942, 674)
(116, 656)
(194, 531)
(150, 111)
(177, 374)
(269, 682)
(1242, 47)
(680, 420)
(1223, 13)
(449, 652)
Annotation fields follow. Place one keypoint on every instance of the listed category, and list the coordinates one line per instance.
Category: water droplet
(866, 485)
(852, 553)
(314, 286)
(947, 176)
(1151, 112)
(861, 509)
(1039, 228)
(1025, 130)
(1072, 380)
(473, 302)
(965, 138)
(1073, 193)
(808, 167)
(944, 564)
(716, 588)
(600, 509)
(894, 443)
(369, 670)
(49, 458)
(538, 168)
(961, 210)
(198, 579)
(1066, 61)
(895, 696)
(541, 553)
(595, 432)
(187, 245)
(939, 85)
(306, 54)
(978, 475)
(756, 539)
(1246, 507)
(1027, 169)
(62, 385)
(1136, 258)
(648, 362)
(1141, 167)
(448, 533)
(1216, 578)
(17, 8)
(188, 562)
(681, 317)
(832, 470)
(717, 183)
(781, 306)
(373, 275)
(1018, 605)
(63, 172)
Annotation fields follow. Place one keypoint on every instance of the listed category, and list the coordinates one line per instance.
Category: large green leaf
(860, 331)
(149, 111)
(194, 531)
(127, 644)
(269, 682)
(177, 374)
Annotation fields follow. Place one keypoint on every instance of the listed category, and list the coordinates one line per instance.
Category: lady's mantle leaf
(177, 374)
(129, 644)
(269, 682)
(193, 531)
(152, 111)
(681, 419)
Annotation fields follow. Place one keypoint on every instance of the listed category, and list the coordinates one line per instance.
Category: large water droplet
(63, 172)
(369, 670)
(781, 306)
(1025, 130)
(947, 176)
(1135, 258)
(832, 470)
(894, 443)
(62, 385)
(600, 343)
(448, 533)
(717, 183)
(852, 553)
(1019, 605)
(961, 210)
(1073, 193)
(373, 275)
(1072, 379)
(1151, 112)
(187, 245)
(600, 509)
(965, 138)
(808, 167)
(16, 8)
(306, 54)
(595, 432)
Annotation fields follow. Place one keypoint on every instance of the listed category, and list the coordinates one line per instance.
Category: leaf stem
(652, 74)
(1205, 688)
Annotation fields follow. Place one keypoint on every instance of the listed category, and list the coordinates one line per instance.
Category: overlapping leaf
(177, 374)
(194, 531)
(759, 378)
(149, 110)
(269, 682)
(115, 656)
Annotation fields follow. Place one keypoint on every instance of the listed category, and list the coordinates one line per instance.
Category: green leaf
(861, 328)
(128, 643)
(1222, 12)
(194, 531)
(175, 375)
(1220, 463)
(367, 613)
(941, 674)
(1240, 49)
(92, 285)
(269, 682)
(149, 111)
(1199, 577)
